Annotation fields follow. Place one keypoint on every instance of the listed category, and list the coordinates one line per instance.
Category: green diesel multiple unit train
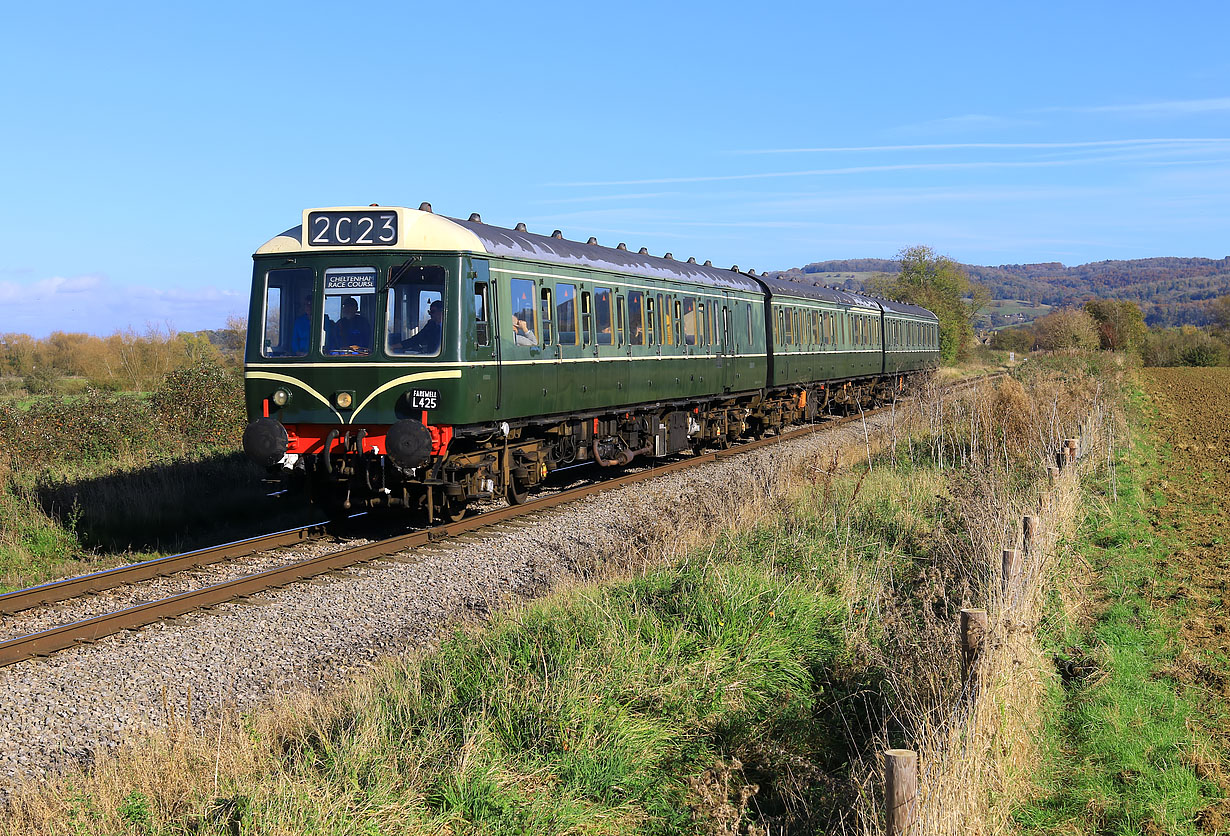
(400, 358)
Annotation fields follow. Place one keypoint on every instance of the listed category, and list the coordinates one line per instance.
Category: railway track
(88, 630)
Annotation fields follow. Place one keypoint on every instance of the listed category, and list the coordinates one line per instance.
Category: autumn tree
(1067, 328)
(1120, 324)
(939, 284)
(1219, 308)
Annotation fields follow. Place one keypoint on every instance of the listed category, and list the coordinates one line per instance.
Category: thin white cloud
(605, 198)
(1176, 107)
(959, 146)
(862, 169)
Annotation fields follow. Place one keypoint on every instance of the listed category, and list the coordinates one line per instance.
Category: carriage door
(729, 351)
(479, 340)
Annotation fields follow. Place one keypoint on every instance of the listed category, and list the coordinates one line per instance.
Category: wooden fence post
(1012, 570)
(900, 792)
(1031, 525)
(973, 632)
(1070, 450)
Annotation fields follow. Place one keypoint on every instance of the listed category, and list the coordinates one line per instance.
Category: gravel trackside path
(59, 710)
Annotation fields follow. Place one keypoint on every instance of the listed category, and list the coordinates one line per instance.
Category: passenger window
(482, 328)
(653, 324)
(636, 316)
(702, 325)
(565, 313)
(689, 321)
(749, 323)
(288, 313)
(587, 319)
(523, 320)
(602, 313)
(665, 335)
(546, 312)
(619, 318)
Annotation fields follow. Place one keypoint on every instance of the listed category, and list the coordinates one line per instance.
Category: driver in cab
(352, 332)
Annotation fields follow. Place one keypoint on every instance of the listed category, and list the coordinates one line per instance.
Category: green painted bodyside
(502, 381)
(797, 364)
(908, 357)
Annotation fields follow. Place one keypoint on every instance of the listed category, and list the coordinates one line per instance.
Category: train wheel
(517, 492)
(454, 509)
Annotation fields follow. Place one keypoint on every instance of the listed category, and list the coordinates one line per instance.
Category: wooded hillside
(1170, 291)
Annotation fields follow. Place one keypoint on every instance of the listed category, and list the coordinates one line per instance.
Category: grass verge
(1128, 753)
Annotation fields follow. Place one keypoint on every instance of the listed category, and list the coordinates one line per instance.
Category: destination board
(350, 280)
(352, 229)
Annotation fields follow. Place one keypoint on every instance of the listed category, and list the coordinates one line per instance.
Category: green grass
(1126, 737)
(589, 713)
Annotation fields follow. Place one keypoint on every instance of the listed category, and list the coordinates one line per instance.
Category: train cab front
(345, 467)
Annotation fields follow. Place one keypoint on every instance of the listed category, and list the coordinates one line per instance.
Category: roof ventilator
(424, 206)
(476, 218)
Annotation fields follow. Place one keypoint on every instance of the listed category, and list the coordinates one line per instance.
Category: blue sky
(148, 149)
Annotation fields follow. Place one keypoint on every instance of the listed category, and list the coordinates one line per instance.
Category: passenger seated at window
(352, 333)
(427, 340)
(301, 335)
(522, 335)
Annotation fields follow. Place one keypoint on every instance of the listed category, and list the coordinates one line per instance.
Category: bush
(1184, 346)
(1204, 354)
(204, 403)
(40, 381)
(94, 426)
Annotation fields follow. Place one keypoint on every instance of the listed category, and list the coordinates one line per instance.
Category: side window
(587, 318)
(688, 322)
(602, 314)
(619, 318)
(524, 322)
(653, 325)
(565, 313)
(547, 312)
(636, 317)
(749, 323)
(288, 313)
(702, 325)
(482, 325)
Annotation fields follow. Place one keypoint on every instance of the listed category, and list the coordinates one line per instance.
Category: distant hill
(1170, 291)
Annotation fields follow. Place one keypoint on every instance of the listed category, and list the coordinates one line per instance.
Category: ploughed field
(1193, 420)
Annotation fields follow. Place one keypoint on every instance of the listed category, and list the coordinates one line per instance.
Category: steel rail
(56, 591)
(92, 629)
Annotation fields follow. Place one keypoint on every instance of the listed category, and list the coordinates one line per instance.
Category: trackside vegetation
(91, 472)
(745, 686)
